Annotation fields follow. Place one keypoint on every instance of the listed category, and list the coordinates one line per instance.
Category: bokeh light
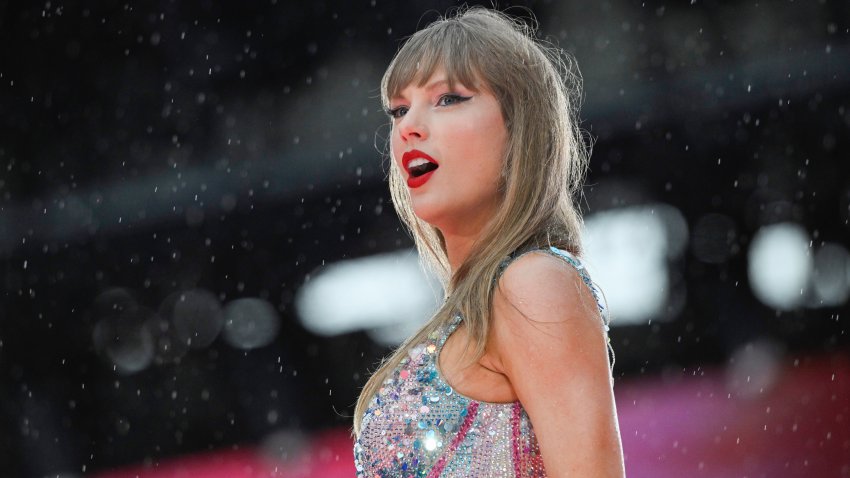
(168, 347)
(387, 294)
(780, 265)
(628, 255)
(250, 323)
(714, 238)
(831, 275)
(196, 315)
(754, 368)
(121, 334)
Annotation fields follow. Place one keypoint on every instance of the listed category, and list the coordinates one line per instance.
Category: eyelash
(395, 113)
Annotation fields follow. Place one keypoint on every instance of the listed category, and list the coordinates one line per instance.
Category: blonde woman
(511, 376)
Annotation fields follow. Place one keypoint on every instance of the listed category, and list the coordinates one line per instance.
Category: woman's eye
(397, 112)
(450, 99)
(445, 100)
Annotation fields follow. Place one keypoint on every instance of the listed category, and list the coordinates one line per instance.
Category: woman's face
(449, 146)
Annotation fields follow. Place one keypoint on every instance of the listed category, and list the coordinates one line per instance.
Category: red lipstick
(414, 178)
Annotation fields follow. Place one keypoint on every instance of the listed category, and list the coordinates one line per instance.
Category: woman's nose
(412, 126)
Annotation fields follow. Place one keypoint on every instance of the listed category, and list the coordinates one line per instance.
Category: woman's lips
(415, 181)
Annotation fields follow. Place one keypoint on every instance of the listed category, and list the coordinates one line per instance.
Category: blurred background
(201, 265)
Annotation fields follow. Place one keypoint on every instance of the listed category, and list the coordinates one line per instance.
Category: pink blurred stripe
(681, 424)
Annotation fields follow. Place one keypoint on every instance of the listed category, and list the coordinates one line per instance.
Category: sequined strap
(448, 329)
(585, 277)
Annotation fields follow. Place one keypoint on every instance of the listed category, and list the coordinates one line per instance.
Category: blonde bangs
(425, 52)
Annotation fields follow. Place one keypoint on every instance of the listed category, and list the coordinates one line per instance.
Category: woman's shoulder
(542, 279)
(547, 275)
(544, 302)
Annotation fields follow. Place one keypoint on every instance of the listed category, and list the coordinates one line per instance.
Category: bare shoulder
(545, 288)
(548, 340)
(544, 312)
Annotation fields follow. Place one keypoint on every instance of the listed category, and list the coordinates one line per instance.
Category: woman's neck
(458, 249)
(460, 237)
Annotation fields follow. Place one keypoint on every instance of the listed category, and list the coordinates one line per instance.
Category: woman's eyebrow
(429, 87)
(433, 85)
(437, 83)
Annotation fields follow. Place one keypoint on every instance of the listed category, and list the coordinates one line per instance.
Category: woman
(511, 376)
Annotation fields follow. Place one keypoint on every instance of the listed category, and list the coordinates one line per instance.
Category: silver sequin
(418, 426)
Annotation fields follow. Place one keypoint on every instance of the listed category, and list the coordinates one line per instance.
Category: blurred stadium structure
(201, 264)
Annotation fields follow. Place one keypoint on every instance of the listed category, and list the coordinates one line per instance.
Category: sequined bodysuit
(418, 426)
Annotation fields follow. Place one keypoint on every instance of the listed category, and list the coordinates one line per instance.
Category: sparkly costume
(418, 426)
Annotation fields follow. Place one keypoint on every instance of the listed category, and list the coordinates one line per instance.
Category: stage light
(389, 295)
(627, 253)
(780, 265)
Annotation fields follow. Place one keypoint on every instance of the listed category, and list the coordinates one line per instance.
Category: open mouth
(420, 166)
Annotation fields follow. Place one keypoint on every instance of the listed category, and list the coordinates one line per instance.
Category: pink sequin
(472, 410)
(418, 426)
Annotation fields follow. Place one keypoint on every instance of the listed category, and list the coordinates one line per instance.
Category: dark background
(235, 148)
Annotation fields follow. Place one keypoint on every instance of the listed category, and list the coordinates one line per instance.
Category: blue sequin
(419, 424)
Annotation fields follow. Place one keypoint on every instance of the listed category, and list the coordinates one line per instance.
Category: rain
(202, 265)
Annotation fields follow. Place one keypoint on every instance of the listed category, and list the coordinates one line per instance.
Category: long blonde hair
(539, 90)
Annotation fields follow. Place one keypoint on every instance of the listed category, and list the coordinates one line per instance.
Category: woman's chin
(455, 220)
(429, 213)
(429, 219)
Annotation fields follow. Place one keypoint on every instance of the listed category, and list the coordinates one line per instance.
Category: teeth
(417, 162)
(423, 167)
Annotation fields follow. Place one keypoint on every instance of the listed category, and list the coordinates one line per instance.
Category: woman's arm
(548, 339)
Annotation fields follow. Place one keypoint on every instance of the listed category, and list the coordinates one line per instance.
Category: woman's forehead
(438, 77)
